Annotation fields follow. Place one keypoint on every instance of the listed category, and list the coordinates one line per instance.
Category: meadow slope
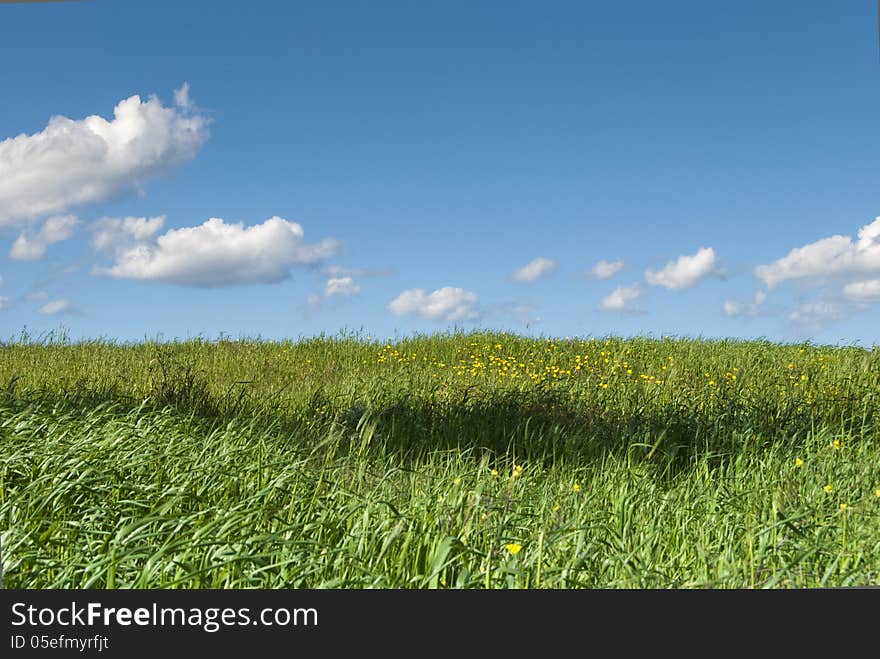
(466, 460)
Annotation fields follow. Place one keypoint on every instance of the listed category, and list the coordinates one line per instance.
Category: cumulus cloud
(341, 286)
(56, 307)
(5, 302)
(622, 299)
(534, 269)
(117, 234)
(863, 291)
(216, 254)
(76, 162)
(606, 269)
(834, 256)
(685, 271)
(448, 303)
(31, 246)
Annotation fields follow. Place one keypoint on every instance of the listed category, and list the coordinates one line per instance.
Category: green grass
(452, 461)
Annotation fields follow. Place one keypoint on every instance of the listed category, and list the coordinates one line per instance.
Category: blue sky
(281, 170)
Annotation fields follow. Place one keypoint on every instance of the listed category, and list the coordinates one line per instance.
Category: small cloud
(5, 302)
(448, 303)
(622, 299)
(534, 269)
(819, 313)
(181, 97)
(341, 286)
(685, 271)
(56, 307)
(32, 246)
(606, 269)
(737, 308)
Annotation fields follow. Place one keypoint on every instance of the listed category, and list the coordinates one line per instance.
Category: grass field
(463, 460)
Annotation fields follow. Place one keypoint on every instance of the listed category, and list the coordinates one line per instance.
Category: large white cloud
(622, 298)
(836, 255)
(535, 269)
(685, 271)
(448, 303)
(606, 269)
(75, 162)
(216, 254)
(30, 246)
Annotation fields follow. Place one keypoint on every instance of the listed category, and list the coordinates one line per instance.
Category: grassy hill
(457, 460)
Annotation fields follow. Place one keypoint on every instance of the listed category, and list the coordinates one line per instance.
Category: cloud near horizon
(685, 271)
(837, 255)
(56, 307)
(622, 299)
(78, 162)
(447, 303)
(216, 254)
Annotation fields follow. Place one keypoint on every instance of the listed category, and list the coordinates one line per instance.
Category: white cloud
(76, 162)
(181, 97)
(535, 269)
(448, 303)
(817, 313)
(622, 299)
(117, 234)
(55, 307)
(32, 246)
(216, 254)
(836, 255)
(342, 286)
(733, 308)
(863, 291)
(685, 271)
(736, 308)
(37, 296)
(606, 269)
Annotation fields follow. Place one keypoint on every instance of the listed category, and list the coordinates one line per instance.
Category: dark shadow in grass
(539, 427)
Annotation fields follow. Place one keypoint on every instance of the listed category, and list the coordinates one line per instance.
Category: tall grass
(459, 460)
